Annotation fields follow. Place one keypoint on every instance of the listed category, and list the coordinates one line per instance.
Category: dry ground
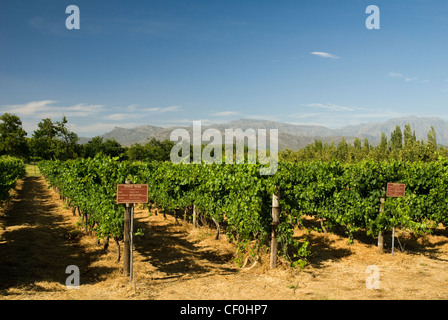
(39, 239)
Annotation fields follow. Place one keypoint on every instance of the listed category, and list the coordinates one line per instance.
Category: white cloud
(324, 55)
(305, 115)
(29, 108)
(133, 111)
(120, 116)
(394, 75)
(84, 107)
(162, 110)
(132, 107)
(330, 106)
(99, 128)
(339, 120)
(48, 109)
(408, 79)
(405, 78)
(225, 113)
(186, 122)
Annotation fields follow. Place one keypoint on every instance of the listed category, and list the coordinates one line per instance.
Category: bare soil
(39, 238)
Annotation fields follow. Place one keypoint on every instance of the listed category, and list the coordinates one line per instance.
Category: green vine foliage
(345, 196)
(11, 169)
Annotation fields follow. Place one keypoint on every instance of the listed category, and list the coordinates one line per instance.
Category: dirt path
(38, 242)
(39, 239)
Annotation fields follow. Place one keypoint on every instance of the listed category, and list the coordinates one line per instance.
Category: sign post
(129, 194)
(395, 190)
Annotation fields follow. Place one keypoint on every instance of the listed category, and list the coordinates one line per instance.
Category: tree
(69, 140)
(383, 143)
(12, 136)
(431, 144)
(113, 148)
(136, 152)
(357, 143)
(54, 141)
(409, 136)
(365, 148)
(396, 139)
(342, 150)
(154, 150)
(432, 140)
(382, 150)
(91, 148)
(401, 146)
(410, 151)
(110, 147)
(43, 144)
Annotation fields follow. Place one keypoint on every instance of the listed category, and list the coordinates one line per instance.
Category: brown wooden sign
(395, 189)
(132, 193)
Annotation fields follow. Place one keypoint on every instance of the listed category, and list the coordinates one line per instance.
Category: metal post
(393, 237)
(131, 238)
(275, 222)
(126, 237)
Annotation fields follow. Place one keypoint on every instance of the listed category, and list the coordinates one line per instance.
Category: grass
(32, 170)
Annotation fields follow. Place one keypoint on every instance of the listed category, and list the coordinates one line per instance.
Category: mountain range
(293, 136)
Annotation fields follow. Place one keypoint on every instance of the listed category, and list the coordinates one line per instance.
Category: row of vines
(238, 199)
(11, 169)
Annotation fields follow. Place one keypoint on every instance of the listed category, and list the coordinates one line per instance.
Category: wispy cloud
(133, 111)
(161, 110)
(120, 116)
(336, 120)
(225, 113)
(406, 78)
(29, 108)
(183, 122)
(330, 106)
(48, 109)
(132, 107)
(324, 55)
(100, 127)
(46, 26)
(409, 79)
(394, 75)
(31, 113)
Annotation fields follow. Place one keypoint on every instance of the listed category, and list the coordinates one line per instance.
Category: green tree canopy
(12, 136)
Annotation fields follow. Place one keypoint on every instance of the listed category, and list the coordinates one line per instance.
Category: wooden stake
(380, 235)
(275, 222)
(393, 237)
(194, 216)
(218, 228)
(127, 238)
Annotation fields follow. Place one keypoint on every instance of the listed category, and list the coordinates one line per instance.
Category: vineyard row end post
(380, 234)
(127, 237)
(275, 222)
(130, 194)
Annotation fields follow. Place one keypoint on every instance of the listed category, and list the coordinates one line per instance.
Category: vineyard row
(238, 199)
(11, 169)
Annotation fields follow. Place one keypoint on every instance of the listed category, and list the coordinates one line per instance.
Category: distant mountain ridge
(293, 136)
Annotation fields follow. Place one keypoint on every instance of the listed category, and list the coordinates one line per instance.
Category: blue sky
(168, 63)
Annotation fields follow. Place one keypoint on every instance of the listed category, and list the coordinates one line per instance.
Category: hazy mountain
(293, 136)
(421, 126)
